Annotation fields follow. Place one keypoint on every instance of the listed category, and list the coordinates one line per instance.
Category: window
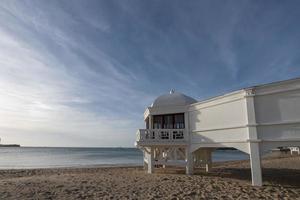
(168, 122)
(171, 121)
(179, 121)
(157, 122)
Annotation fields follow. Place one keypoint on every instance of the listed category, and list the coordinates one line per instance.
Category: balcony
(161, 136)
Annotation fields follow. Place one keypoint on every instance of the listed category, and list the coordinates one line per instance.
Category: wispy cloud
(51, 91)
(85, 71)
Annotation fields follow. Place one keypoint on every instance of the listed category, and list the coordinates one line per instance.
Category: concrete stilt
(151, 161)
(189, 162)
(255, 164)
(253, 140)
(145, 160)
(208, 164)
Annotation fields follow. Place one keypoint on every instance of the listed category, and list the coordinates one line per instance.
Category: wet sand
(228, 180)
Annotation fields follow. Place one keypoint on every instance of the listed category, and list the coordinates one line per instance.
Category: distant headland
(9, 145)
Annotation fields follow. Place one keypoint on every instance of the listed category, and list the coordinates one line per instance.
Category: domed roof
(173, 99)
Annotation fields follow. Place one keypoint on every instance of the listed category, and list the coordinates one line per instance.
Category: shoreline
(76, 167)
(122, 165)
(216, 163)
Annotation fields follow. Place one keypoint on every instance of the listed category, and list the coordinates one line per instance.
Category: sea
(52, 157)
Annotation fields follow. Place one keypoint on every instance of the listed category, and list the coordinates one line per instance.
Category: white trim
(276, 87)
(276, 83)
(278, 123)
(197, 107)
(282, 140)
(276, 91)
(248, 125)
(254, 140)
(254, 88)
(223, 141)
(250, 140)
(218, 97)
(219, 129)
(161, 143)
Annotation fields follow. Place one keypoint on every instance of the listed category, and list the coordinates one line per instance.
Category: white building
(181, 131)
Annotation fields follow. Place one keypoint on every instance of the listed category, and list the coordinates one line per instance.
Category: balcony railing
(161, 135)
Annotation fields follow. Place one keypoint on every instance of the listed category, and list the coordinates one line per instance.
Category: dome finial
(172, 91)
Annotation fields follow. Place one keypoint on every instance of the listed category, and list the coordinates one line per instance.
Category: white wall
(224, 115)
(279, 132)
(278, 107)
(278, 112)
(225, 135)
(223, 119)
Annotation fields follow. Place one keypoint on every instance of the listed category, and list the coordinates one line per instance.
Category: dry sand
(230, 180)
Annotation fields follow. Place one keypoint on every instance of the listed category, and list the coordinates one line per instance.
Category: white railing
(294, 149)
(161, 135)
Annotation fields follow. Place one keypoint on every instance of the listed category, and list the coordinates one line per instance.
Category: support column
(208, 164)
(188, 154)
(151, 160)
(253, 139)
(255, 162)
(145, 157)
(175, 153)
(189, 162)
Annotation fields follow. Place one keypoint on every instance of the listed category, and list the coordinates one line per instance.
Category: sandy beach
(228, 180)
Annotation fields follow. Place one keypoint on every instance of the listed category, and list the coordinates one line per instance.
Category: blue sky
(81, 73)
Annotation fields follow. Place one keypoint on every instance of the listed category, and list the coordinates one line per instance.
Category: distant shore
(10, 145)
(228, 180)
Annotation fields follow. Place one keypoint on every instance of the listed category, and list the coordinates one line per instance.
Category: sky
(81, 73)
